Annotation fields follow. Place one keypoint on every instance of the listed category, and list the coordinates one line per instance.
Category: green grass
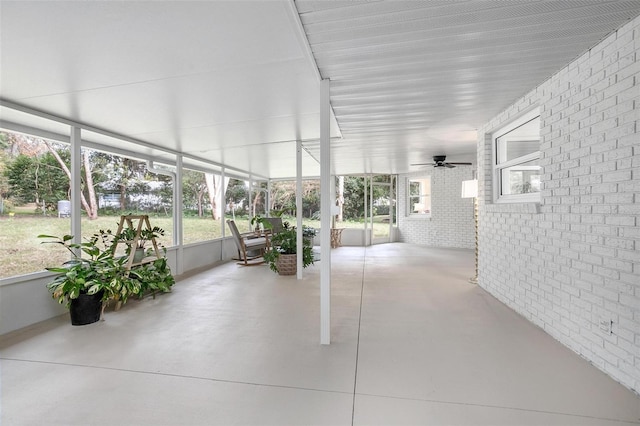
(21, 252)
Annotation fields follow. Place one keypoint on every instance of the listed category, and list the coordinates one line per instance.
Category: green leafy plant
(154, 276)
(149, 234)
(258, 222)
(285, 242)
(98, 271)
(128, 234)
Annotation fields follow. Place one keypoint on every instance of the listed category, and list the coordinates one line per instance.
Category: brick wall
(573, 261)
(451, 223)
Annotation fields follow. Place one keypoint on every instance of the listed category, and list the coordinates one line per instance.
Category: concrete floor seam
(500, 407)
(181, 376)
(355, 378)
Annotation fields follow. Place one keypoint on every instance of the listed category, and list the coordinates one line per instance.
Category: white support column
(76, 204)
(250, 199)
(177, 216)
(267, 199)
(223, 209)
(393, 214)
(325, 215)
(332, 191)
(371, 207)
(299, 207)
(366, 214)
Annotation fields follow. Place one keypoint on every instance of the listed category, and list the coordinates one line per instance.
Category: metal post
(267, 199)
(299, 243)
(325, 215)
(250, 200)
(371, 207)
(366, 213)
(177, 216)
(76, 204)
(223, 209)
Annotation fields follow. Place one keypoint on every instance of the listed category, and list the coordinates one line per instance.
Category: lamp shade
(470, 188)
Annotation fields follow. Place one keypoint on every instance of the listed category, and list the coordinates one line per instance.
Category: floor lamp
(470, 190)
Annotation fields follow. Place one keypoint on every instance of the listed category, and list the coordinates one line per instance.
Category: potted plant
(153, 277)
(282, 257)
(128, 236)
(85, 284)
(258, 223)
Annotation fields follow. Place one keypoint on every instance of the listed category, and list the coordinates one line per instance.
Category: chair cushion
(252, 242)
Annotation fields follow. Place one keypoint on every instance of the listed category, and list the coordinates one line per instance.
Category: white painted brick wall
(451, 223)
(574, 259)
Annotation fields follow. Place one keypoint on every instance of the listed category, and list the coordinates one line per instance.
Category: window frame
(409, 212)
(497, 168)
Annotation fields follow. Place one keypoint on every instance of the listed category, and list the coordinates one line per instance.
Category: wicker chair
(248, 245)
(276, 224)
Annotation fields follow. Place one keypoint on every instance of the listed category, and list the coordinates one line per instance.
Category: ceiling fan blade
(449, 165)
(461, 164)
(422, 164)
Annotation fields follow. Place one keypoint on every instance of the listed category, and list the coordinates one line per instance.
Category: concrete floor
(412, 343)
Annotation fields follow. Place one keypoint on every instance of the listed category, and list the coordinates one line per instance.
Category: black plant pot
(86, 308)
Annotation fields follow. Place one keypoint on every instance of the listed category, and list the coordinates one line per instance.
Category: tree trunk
(37, 196)
(209, 180)
(256, 198)
(215, 186)
(200, 201)
(93, 203)
(83, 200)
(123, 184)
(123, 196)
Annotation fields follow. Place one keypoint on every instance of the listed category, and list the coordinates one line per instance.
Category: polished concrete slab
(412, 343)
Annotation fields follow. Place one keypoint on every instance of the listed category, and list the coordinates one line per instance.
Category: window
(517, 160)
(201, 206)
(419, 196)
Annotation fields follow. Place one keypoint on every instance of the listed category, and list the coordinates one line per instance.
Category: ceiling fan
(438, 161)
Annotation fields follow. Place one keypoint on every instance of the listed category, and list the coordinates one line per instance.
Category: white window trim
(496, 169)
(409, 213)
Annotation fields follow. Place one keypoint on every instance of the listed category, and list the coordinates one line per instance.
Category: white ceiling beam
(101, 147)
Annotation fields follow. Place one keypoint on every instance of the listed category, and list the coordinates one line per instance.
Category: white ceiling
(234, 82)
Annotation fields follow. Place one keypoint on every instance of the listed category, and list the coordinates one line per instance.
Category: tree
(16, 144)
(340, 198)
(13, 145)
(36, 179)
(119, 175)
(90, 207)
(4, 140)
(19, 176)
(159, 187)
(311, 196)
(214, 187)
(92, 210)
(282, 196)
(4, 182)
(193, 189)
(353, 207)
(236, 193)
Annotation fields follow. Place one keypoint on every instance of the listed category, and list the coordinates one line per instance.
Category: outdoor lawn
(21, 252)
